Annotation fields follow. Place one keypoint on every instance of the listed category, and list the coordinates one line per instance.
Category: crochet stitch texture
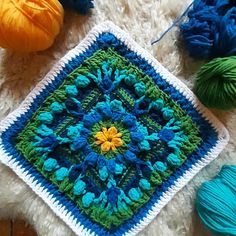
(109, 136)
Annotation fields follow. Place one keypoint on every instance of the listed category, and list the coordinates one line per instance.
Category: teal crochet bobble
(216, 202)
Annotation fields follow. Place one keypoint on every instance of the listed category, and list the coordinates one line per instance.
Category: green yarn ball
(216, 83)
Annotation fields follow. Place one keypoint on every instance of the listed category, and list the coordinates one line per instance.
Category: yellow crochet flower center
(109, 139)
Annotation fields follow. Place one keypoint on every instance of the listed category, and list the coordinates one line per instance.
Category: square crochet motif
(109, 136)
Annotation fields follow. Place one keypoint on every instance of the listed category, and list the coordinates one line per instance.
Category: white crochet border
(59, 210)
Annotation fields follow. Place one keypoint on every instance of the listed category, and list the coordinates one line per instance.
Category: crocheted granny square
(109, 136)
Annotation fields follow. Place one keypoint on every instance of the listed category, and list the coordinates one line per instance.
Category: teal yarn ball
(216, 202)
(216, 83)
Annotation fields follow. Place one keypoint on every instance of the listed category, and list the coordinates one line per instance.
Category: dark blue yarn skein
(81, 6)
(211, 29)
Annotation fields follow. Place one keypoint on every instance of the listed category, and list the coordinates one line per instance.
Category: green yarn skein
(216, 83)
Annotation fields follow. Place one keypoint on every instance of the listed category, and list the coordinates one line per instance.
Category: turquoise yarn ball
(216, 202)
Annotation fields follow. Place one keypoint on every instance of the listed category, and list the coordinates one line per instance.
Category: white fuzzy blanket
(144, 20)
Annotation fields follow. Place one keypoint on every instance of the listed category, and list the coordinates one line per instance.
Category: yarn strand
(175, 22)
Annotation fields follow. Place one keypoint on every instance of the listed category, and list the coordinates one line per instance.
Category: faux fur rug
(144, 20)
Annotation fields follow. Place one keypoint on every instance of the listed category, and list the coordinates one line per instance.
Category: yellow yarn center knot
(109, 139)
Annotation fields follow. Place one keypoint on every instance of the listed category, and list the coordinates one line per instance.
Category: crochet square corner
(109, 136)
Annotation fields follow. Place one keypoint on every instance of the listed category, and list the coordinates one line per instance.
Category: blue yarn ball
(81, 6)
(210, 31)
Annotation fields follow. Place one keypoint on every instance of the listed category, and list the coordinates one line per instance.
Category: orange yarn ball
(29, 25)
